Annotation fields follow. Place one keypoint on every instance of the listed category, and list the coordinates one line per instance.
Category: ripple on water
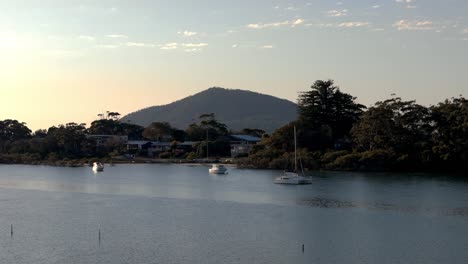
(320, 202)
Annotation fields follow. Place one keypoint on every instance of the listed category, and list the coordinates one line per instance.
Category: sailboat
(293, 177)
(215, 168)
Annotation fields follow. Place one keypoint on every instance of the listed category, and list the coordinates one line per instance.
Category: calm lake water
(181, 214)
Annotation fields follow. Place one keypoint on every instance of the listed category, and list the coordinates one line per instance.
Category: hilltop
(237, 109)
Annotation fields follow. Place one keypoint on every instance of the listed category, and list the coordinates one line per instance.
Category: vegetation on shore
(334, 133)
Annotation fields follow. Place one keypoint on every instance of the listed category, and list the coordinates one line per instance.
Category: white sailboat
(98, 166)
(293, 177)
(215, 168)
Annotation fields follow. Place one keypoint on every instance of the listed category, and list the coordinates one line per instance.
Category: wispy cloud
(413, 25)
(267, 47)
(140, 44)
(197, 45)
(353, 24)
(376, 6)
(407, 2)
(88, 38)
(186, 46)
(116, 36)
(291, 23)
(192, 50)
(291, 8)
(187, 33)
(234, 46)
(337, 13)
(169, 46)
(105, 46)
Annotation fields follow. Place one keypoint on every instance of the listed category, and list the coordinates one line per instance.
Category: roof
(246, 138)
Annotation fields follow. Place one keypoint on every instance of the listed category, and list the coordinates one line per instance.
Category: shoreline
(199, 162)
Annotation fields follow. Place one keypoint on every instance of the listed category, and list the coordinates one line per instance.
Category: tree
(158, 131)
(66, 139)
(11, 130)
(326, 114)
(450, 120)
(195, 132)
(215, 129)
(393, 123)
(253, 132)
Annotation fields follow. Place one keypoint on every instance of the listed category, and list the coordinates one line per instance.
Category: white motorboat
(97, 166)
(218, 169)
(293, 177)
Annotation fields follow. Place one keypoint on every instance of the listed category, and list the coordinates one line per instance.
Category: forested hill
(237, 109)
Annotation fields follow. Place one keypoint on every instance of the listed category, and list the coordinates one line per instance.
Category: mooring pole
(99, 236)
(11, 230)
(302, 248)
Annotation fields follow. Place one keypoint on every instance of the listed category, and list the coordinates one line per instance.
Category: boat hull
(297, 180)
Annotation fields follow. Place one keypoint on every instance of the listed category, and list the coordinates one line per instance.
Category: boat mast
(207, 144)
(295, 150)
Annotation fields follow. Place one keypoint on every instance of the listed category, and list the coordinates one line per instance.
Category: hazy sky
(66, 60)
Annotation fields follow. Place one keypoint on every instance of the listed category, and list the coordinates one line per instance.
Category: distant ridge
(236, 108)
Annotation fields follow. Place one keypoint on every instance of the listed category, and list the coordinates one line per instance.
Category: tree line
(334, 132)
(71, 141)
(337, 133)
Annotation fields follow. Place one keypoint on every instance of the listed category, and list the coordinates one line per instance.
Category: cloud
(187, 46)
(108, 46)
(291, 8)
(140, 44)
(353, 24)
(408, 2)
(187, 33)
(376, 6)
(196, 45)
(337, 13)
(169, 46)
(465, 31)
(298, 22)
(413, 25)
(291, 23)
(116, 36)
(267, 47)
(235, 46)
(88, 38)
(192, 50)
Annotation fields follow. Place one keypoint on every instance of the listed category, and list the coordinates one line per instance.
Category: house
(242, 144)
(154, 148)
(103, 140)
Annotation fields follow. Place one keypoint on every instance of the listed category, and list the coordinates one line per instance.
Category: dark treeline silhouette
(334, 132)
(72, 141)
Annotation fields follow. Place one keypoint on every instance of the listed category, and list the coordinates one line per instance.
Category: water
(181, 214)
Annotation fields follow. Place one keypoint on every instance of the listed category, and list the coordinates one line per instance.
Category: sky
(67, 61)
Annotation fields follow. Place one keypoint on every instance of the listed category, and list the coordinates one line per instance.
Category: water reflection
(320, 202)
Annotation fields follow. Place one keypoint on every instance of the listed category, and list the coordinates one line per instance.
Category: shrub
(165, 155)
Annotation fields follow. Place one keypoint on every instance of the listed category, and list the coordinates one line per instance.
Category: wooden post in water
(11, 230)
(302, 248)
(99, 236)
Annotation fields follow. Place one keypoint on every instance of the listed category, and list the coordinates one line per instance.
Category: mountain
(237, 109)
